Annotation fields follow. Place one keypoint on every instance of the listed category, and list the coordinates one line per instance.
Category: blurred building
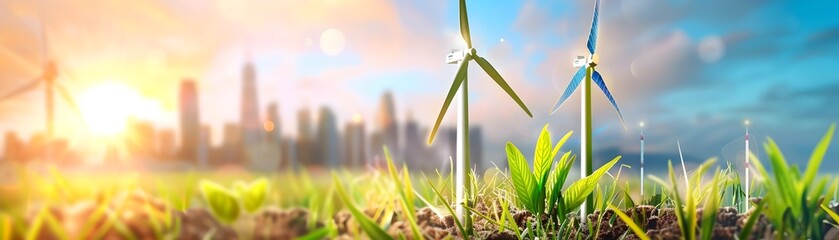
(328, 140)
(166, 144)
(252, 129)
(140, 140)
(230, 151)
(415, 150)
(355, 150)
(189, 121)
(304, 137)
(476, 147)
(387, 129)
(14, 148)
(204, 146)
(274, 130)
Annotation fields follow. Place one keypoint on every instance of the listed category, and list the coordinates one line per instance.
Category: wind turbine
(746, 122)
(590, 74)
(460, 87)
(642, 161)
(48, 79)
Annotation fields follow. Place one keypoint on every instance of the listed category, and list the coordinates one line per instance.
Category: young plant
(793, 199)
(369, 226)
(226, 203)
(542, 187)
(685, 208)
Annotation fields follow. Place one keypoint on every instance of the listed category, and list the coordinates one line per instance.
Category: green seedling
(794, 199)
(542, 187)
(226, 204)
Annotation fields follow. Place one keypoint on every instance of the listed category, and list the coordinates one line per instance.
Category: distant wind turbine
(48, 78)
(460, 87)
(590, 74)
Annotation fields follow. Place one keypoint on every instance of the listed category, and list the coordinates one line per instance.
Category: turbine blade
(592, 36)
(62, 90)
(500, 81)
(22, 89)
(458, 80)
(595, 76)
(572, 85)
(464, 24)
(44, 48)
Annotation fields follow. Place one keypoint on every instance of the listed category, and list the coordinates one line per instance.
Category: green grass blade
(816, 158)
(367, 225)
(579, 190)
(750, 223)
(321, 233)
(830, 213)
(458, 80)
(448, 207)
(711, 207)
(630, 223)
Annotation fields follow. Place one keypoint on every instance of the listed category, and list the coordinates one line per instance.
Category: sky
(693, 71)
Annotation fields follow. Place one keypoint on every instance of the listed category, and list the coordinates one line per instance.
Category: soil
(136, 210)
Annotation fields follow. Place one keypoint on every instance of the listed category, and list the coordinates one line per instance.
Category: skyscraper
(304, 137)
(14, 149)
(355, 154)
(476, 149)
(190, 123)
(204, 147)
(252, 130)
(328, 140)
(231, 149)
(166, 144)
(275, 131)
(386, 127)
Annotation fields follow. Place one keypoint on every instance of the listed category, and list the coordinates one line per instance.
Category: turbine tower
(460, 87)
(48, 77)
(590, 74)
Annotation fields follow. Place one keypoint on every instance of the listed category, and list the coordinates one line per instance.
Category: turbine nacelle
(50, 71)
(458, 55)
(583, 61)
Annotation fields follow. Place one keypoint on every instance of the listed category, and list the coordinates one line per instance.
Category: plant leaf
(222, 202)
(253, 195)
(543, 158)
(523, 180)
(576, 194)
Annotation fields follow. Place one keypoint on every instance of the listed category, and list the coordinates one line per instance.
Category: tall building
(387, 130)
(190, 123)
(166, 144)
(415, 152)
(355, 154)
(231, 150)
(476, 149)
(14, 148)
(274, 135)
(252, 129)
(275, 132)
(328, 141)
(304, 137)
(140, 139)
(204, 147)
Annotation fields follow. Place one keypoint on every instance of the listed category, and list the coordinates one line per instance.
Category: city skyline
(665, 68)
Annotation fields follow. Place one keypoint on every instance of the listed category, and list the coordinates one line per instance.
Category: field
(532, 200)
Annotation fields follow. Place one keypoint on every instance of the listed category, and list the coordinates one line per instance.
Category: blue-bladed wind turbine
(590, 74)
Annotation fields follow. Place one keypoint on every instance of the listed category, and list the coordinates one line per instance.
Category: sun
(107, 107)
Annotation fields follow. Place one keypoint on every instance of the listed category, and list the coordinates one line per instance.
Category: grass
(793, 200)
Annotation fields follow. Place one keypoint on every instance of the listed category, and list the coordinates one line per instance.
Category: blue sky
(692, 70)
